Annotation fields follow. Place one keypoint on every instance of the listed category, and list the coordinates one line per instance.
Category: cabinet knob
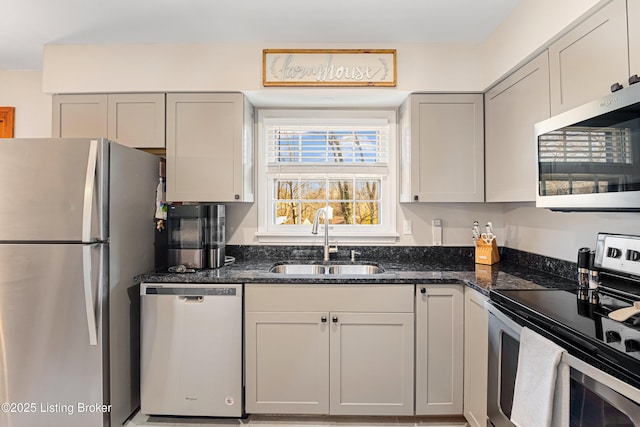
(423, 290)
(415, 198)
(334, 319)
(616, 87)
(323, 319)
(631, 346)
(237, 197)
(613, 336)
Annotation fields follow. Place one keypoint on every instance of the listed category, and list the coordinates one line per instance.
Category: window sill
(345, 238)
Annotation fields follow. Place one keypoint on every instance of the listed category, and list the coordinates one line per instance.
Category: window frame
(384, 232)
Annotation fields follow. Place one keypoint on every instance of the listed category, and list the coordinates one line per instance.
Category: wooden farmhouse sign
(329, 67)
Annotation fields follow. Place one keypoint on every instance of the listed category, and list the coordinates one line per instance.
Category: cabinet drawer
(339, 297)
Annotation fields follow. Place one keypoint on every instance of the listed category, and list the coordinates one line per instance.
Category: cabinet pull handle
(323, 319)
(334, 320)
(423, 290)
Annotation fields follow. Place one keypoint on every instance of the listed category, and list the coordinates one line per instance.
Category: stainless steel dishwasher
(191, 353)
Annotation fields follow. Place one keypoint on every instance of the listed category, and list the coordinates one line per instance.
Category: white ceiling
(29, 24)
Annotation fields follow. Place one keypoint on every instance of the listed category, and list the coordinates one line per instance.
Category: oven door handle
(503, 318)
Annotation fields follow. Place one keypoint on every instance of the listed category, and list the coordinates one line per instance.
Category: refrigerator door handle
(89, 186)
(88, 294)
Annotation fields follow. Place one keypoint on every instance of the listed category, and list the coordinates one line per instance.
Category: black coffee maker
(196, 235)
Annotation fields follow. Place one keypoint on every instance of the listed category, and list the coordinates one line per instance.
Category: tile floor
(140, 420)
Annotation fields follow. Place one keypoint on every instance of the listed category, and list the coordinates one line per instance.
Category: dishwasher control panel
(187, 290)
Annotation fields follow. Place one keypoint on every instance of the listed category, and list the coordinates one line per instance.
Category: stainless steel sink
(334, 269)
(297, 269)
(355, 269)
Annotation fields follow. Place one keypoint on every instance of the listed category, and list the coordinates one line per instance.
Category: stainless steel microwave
(589, 157)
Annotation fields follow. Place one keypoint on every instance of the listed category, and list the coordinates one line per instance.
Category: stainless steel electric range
(603, 354)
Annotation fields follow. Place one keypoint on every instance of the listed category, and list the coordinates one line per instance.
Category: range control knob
(613, 252)
(633, 255)
(631, 346)
(612, 336)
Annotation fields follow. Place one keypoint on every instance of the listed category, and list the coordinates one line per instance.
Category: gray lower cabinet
(476, 330)
(326, 349)
(287, 362)
(439, 349)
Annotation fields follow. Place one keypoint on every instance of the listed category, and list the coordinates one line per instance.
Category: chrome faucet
(328, 249)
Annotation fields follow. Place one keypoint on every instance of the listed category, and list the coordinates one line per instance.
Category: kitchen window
(339, 160)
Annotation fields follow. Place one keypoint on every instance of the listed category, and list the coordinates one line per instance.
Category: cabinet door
(79, 116)
(137, 119)
(205, 147)
(371, 364)
(513, 107)
(447, 148)
(439, 350)
(287, 363)
(475, 358)
(633, 17)
(590, 58)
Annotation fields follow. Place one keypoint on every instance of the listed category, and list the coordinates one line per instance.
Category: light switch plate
(407, 227)
(436, 228)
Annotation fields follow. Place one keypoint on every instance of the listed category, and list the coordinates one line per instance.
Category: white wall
(457, 219)
(558, 234)
(23, 90)
(234, 67)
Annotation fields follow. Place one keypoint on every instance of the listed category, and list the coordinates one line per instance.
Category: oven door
(596, 398)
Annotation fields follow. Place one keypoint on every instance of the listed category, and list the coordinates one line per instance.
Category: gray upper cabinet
(512, 108)
(137, 119)
(442, 148)
(633, 11)
(79, 116)
(586, 61)
(132, 119)
(209, 147)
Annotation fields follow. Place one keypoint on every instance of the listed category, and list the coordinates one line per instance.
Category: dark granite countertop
(425, 270)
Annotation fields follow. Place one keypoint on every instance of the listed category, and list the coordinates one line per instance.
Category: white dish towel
(541, 394)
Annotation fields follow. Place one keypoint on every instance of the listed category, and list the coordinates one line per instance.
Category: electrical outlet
(407, 227)
(436, 228)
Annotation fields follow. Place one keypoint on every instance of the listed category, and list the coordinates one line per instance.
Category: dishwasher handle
(191, 299)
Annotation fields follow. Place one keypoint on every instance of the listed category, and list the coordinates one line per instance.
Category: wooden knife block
(487, 253)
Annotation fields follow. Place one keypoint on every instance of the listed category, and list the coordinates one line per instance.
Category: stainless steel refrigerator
(76, 225)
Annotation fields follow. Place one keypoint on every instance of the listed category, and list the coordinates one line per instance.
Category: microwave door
(52, 189)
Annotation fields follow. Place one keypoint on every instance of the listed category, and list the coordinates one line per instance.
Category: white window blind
(298, 143)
